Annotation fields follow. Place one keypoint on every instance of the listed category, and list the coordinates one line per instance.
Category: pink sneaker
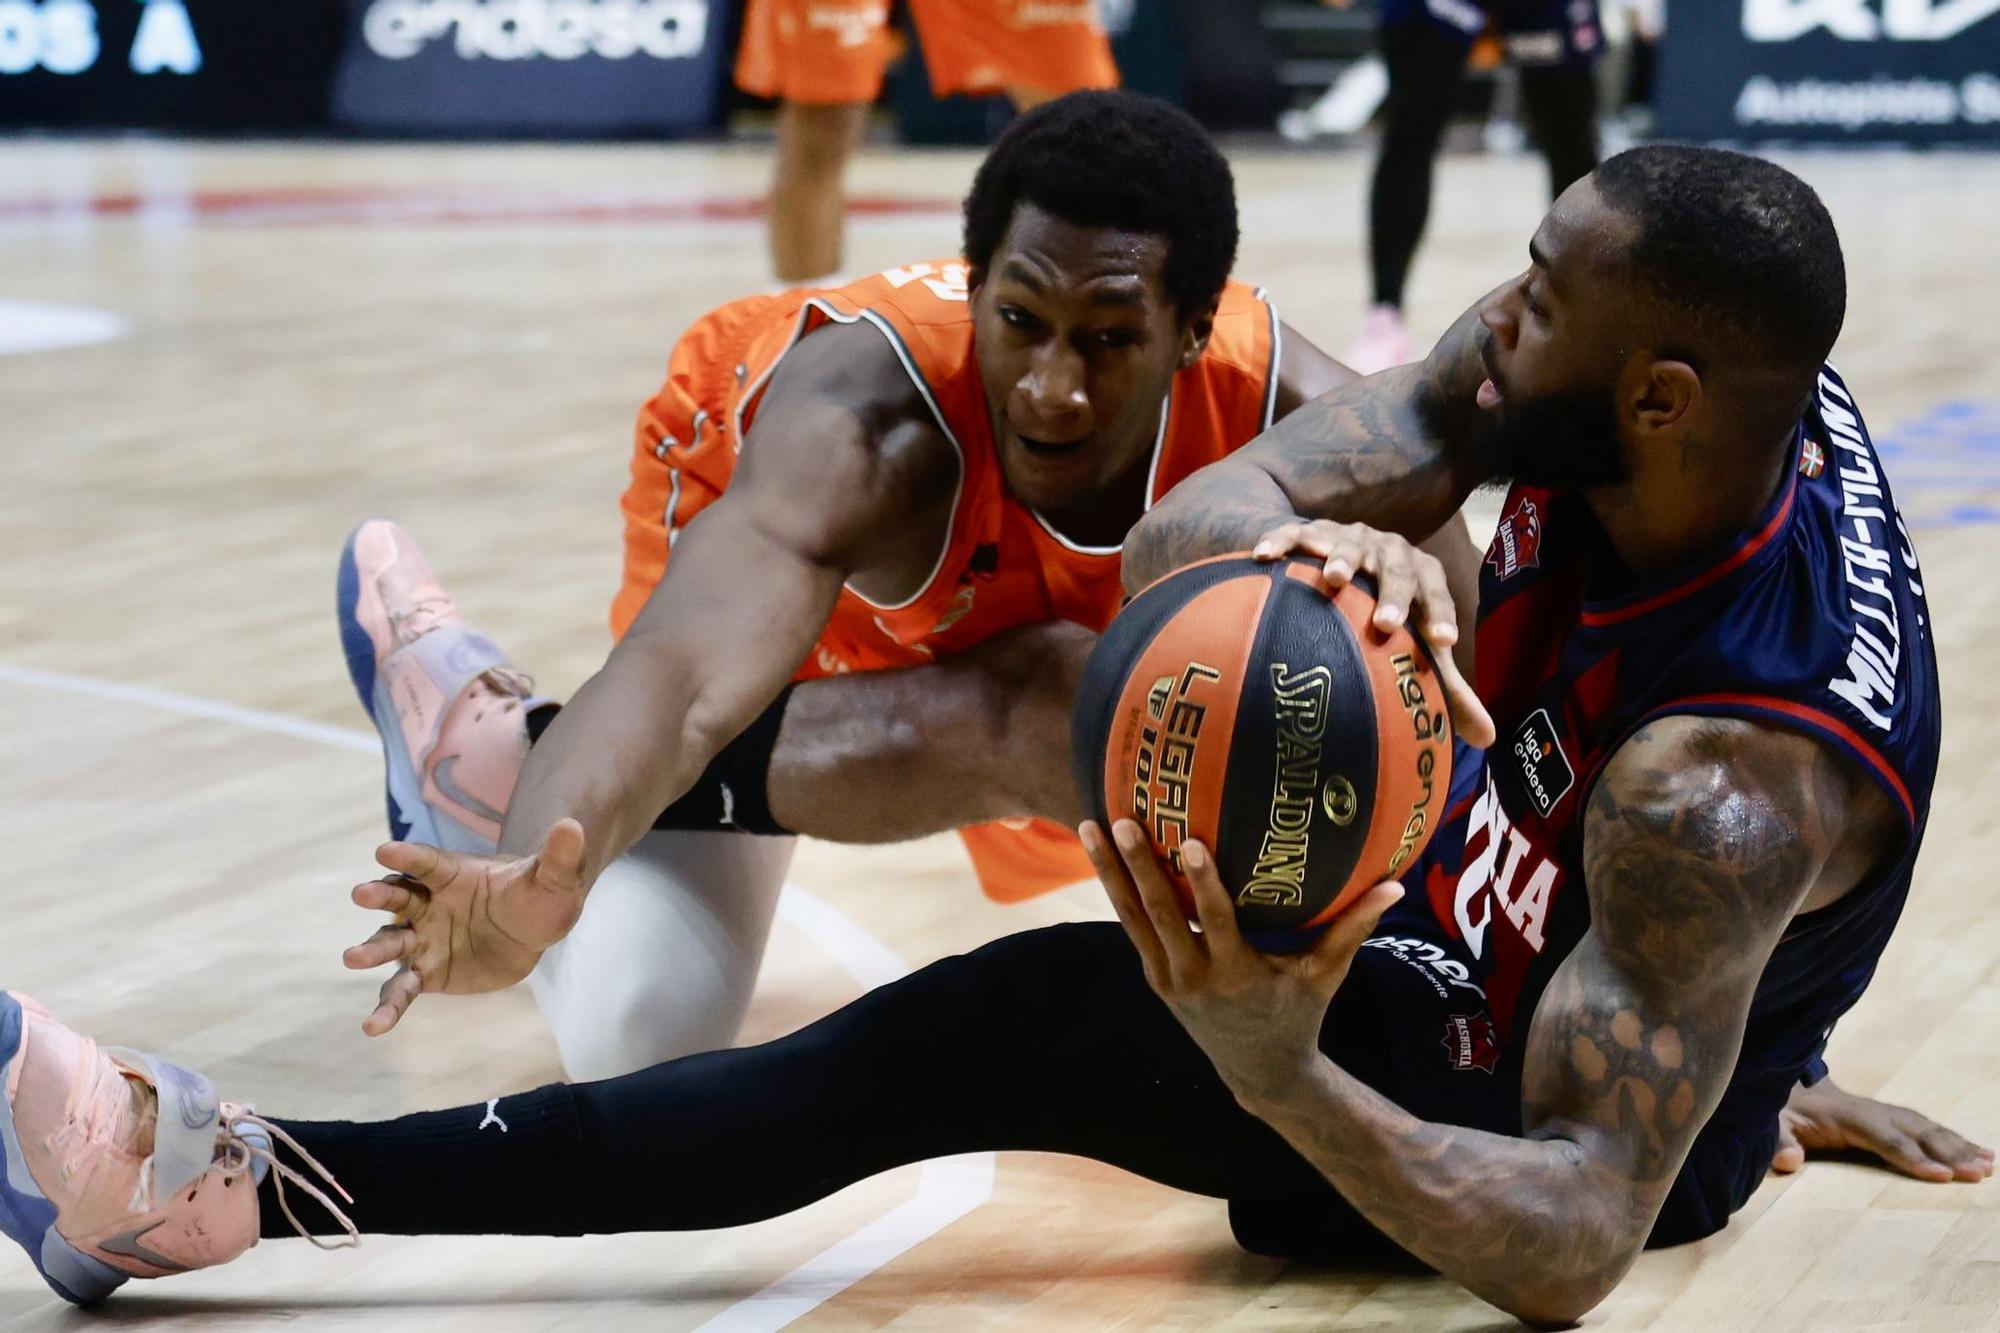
(451, 713)
(1383, 343)
(97, 1188)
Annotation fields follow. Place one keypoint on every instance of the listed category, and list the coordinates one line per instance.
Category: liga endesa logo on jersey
(1545, 770)
(524, 29)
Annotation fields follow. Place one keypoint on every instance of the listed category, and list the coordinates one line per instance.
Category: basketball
(1246, 704)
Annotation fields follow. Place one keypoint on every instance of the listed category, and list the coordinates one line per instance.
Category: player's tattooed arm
(1702, 839)
(1398, 451)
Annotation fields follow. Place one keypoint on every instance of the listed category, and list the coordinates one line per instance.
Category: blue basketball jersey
(1813, 620)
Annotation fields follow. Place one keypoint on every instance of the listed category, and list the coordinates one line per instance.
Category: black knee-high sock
(514, 1166)
(1048, 1040)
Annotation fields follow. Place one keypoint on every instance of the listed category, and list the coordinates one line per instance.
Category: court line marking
(947, 1188)
(42, 326)
(402, 206)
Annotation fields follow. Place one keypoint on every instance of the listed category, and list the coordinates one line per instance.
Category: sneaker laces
(242, 1155)
(506, 680)
(421, 616)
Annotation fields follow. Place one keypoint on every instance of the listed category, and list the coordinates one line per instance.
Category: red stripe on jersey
(1506, 676)
(1814, 717)
(1620, 614)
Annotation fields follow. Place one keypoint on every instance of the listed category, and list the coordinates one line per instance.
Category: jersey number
(947, 283)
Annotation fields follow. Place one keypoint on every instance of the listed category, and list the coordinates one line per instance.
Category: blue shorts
(1534, 32)
(1411, 1022)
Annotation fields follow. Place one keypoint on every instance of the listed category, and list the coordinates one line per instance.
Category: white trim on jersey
(1277, 352)
(888, 331)
(1152, 479)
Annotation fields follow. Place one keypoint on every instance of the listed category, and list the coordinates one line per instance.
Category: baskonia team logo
(1517, 545)
(1470, 1043)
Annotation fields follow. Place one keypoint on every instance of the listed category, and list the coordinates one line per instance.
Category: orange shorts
(1014, 861)
(833, 51)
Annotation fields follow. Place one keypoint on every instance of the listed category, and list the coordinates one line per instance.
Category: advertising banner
(534, 66)
(1832, 71)
(167, 64)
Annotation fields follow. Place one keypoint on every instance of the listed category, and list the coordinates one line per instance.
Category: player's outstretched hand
(1825, 1118)
(1256, 1015)
(1409, 585)
(465, 923)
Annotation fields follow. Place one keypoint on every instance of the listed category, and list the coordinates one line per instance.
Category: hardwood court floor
(459, 336)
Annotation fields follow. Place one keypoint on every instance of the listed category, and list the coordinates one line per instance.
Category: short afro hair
(1736, 245)
(1114, 159)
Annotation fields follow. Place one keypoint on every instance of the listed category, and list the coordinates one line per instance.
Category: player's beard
(1566, 440)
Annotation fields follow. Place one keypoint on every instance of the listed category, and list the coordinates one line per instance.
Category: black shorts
(1534, 32)
(1411, 1023)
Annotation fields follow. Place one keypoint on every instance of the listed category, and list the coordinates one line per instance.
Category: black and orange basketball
(1241, 703)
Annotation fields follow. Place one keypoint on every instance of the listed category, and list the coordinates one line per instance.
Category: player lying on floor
(831, 482)
(1577, 1034)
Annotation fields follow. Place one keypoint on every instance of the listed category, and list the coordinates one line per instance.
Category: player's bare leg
(808, 194)
(1027, 99)
(882, 756)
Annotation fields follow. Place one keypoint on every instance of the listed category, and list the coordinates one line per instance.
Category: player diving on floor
(1652, 897)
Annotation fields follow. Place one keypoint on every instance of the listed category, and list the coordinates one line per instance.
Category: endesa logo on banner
(1907, 71)
(545, 67)
(524, 29)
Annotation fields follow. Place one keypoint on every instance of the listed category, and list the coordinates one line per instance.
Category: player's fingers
(1163, 908)
(1395, 583)
(560, 862)
(398, 993)
(1345, 557)
(1125, 902)
(1212, 904)
(394, 894)
(1791, 1154)
(1300, 537)
(390, 944)
(429, 866)
(1333, 953)
(1468, 713)
(1967, 1160)
(1908, 1156)
(1279, 541)
(1433, 611)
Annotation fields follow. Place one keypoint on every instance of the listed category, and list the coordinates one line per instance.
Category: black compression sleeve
(733, 792)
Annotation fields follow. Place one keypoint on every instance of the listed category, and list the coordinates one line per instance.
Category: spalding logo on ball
(1246, 704)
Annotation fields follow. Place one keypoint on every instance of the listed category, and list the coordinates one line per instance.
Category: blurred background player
(824, 60)
(1425, 45)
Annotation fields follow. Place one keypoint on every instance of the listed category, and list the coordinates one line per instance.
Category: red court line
(431, 206)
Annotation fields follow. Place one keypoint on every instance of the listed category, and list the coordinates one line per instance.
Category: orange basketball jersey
(1002, 565)
(836, 51)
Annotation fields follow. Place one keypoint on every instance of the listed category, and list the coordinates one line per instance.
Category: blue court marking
(1941, 462)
